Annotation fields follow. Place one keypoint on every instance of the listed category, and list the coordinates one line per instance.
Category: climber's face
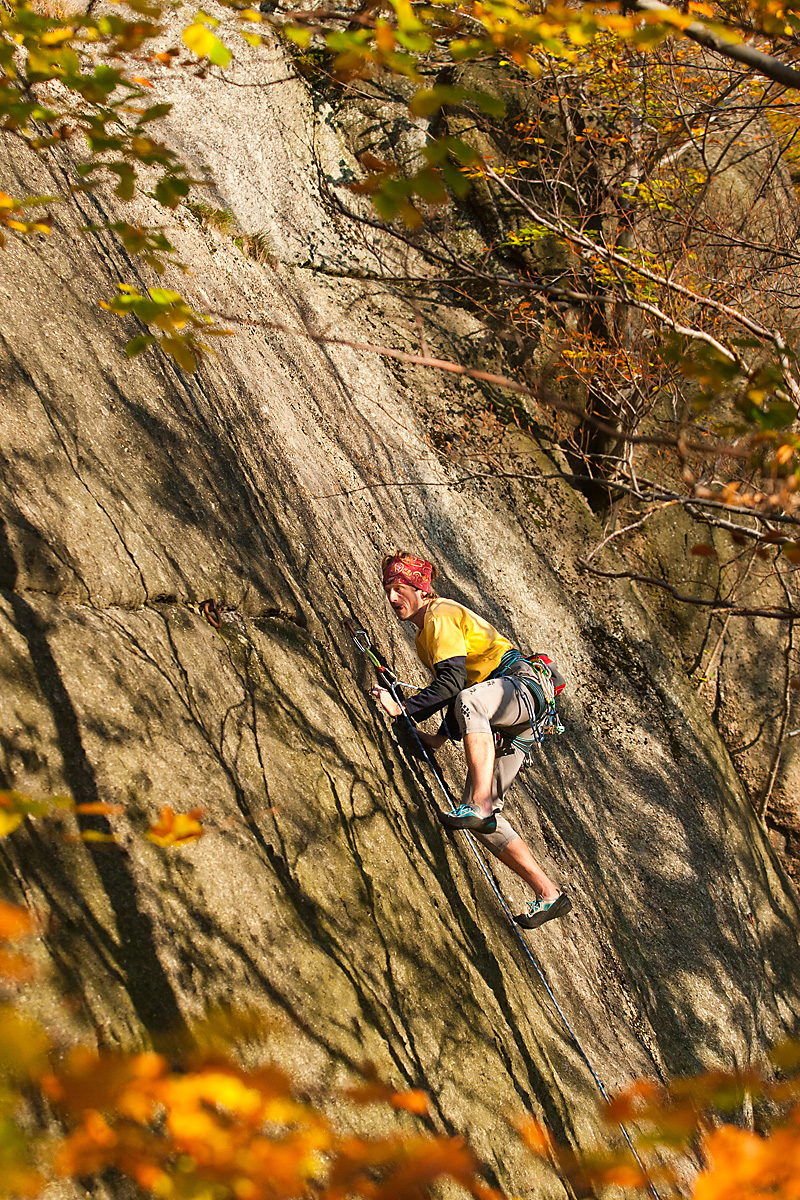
(408, 602)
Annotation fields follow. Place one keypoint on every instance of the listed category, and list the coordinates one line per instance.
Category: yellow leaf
(202, 42)
(176, 829)
(9, 821)
(298, 34)
(54, 36)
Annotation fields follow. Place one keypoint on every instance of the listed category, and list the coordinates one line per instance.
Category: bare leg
(479, 751)
(518, 857)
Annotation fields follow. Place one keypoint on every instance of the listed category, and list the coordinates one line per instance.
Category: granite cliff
(273, 480)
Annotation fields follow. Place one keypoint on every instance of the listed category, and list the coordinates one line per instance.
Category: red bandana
(414, 571)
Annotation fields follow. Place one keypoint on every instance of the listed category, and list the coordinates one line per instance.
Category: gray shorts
(482, 708)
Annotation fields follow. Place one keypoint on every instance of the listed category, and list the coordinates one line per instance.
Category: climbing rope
(385, 672)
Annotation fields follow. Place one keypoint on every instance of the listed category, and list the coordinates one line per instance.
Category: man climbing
(483, 684)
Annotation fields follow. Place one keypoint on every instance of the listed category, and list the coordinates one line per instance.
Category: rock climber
(473, 667)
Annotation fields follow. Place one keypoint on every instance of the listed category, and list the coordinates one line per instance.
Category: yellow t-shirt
(452, 631)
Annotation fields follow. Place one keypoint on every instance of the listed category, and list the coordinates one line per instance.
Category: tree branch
(708, 449)
(728, 606)
(741, 52)
(761, 807)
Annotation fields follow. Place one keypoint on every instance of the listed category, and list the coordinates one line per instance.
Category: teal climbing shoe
(538, 911)
(465, 817)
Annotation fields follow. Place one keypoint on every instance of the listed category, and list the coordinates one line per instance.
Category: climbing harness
(385, 672)
(539, 687)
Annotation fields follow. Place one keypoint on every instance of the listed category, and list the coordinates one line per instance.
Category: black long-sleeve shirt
(451, 678)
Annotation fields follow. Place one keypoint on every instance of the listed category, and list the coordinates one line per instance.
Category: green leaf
(778, 415)
(462, 49)
(647, 36)
(155, 112)
(170, 190)
(457, 182)
(493, 106)
(138, 344)
(427, 101)
(429, 186)
(164, 296)
(127, 179)
(465, 154)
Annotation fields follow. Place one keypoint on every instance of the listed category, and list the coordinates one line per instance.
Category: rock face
(274, 479)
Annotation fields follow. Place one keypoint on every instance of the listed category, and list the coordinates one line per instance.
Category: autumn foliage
(172, 829)
(704, 1121)
(194, 1123)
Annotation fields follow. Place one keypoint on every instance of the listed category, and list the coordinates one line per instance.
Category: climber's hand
(386, 701)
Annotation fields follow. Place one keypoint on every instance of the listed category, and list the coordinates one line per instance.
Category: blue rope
(573, 1035)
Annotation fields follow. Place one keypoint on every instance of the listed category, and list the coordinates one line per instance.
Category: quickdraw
(388, 676)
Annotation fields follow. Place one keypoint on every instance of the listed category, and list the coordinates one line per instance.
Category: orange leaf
(630, 1102)
(176, 829)
(15, 967)
(534, 1135)
(97, 806)
(624, 1176)
(15, 922)
(370, 163)
(414, 1101)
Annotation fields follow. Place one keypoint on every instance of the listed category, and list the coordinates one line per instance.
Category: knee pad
(471, 711)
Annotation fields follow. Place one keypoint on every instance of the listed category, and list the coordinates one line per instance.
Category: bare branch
(761, 807)
(741, 52)
(709, 449)
(726, 606)
(627, 529)
(593, 249)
